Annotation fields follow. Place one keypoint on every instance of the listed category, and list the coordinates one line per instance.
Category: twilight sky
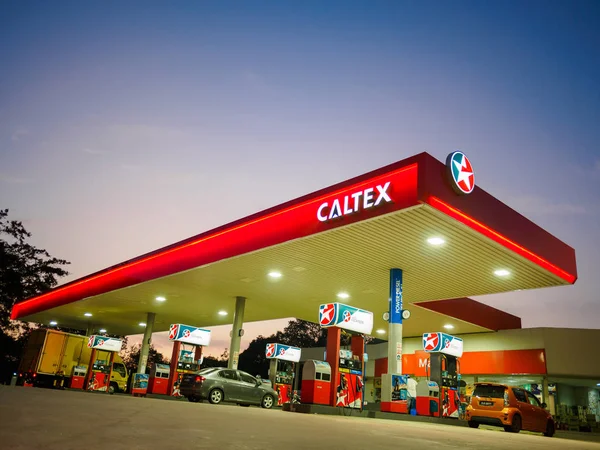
(127, 127)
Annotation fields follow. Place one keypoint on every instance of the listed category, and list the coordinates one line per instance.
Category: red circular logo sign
(461, 173)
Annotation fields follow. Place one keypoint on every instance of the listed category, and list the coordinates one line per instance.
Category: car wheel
(515, 427)
(267, 401)
(473, 424)
(549, 429)
(215, 396)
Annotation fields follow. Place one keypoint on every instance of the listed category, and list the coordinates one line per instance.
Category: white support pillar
(143, 361)
(394, 353)
(236, 332)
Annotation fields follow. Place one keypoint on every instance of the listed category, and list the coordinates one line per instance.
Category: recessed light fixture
(160, 299)
(380, 331)
(449, 327)
(501, 273)
(53, 323)
(102, 330)
(142, 324)
(436, 241)
(343, 295)
(222, 313)
(87, 314)
(275, 274)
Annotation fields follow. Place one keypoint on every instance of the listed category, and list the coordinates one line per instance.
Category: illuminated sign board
(346, 317)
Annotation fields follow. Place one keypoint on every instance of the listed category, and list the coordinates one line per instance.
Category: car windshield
(207, 370)
(489, 390)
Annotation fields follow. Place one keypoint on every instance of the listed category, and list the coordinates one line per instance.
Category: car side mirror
(544, 405)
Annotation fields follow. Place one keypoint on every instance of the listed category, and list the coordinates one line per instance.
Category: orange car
(513, 408)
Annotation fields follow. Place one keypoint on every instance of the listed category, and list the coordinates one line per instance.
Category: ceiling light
(436, 241)
(598, 384)
(160, 299)
(87, 314)
(53, 322)
(449, 327)
(275, 274)
(102, 330)
(380, 331)
(222, 313)
(142, 324)
(501, 272)
(343, 295)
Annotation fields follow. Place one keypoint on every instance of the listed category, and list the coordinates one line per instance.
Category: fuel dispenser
(316, 382)
(282, 369)
(428, 398)
(347, 366)
(158, 382)
(187, 353)
(444, 365)
(350, 380)
(78, 377)
(100, 370)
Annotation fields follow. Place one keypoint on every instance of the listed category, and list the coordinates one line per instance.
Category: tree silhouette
(25, 271)
(131, 356)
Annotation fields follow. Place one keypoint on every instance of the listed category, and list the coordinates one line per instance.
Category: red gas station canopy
(399, 203)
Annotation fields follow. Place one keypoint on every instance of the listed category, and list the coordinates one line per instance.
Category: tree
(297, 333)
(131, 356)
(25, 271)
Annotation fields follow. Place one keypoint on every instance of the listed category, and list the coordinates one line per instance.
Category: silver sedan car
(217, 384)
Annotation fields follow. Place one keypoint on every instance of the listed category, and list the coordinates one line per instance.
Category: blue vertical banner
(396, 296)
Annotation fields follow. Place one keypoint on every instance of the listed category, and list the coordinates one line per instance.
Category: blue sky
(120, 122)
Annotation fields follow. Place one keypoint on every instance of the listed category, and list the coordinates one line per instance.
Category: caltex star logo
(186, 334)
(430, 341)
(173, 331)
(270, 350)
(282, 351)
(327, 314)
(461, 171)
(347, 316)
(91, 342)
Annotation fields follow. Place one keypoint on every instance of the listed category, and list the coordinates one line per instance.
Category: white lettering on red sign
(352, 203)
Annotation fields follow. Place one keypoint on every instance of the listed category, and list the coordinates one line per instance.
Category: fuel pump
(444, 351)
(187, 353)
(101, 362)
(282, 369)
(347, 365)
(350, 380)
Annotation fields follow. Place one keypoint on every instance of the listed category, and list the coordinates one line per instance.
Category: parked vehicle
(217, 385)
(513, 408)
(50, 356)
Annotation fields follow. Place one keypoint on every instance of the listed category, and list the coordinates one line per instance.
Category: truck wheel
(112, 388)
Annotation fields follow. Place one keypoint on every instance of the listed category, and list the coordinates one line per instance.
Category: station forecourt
(424, 222)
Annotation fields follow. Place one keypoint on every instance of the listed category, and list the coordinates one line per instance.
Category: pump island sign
(355, 202)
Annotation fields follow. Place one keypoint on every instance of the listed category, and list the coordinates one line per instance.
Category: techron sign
(355, 202)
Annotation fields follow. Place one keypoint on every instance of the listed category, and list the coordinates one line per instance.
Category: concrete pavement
(46, 419)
